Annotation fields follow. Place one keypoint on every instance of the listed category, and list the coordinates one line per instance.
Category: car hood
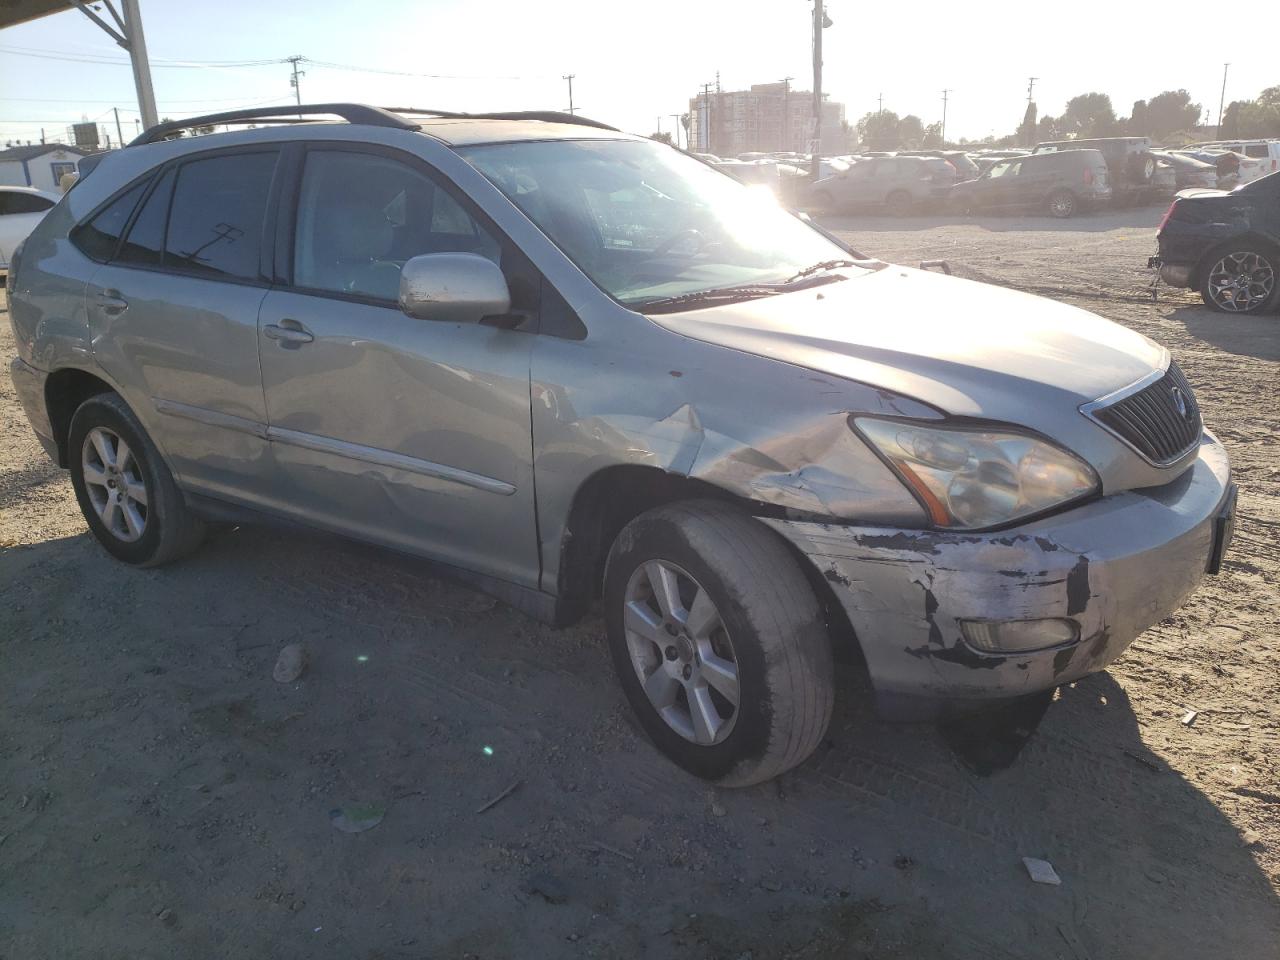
(969, 349)
(1199, 193)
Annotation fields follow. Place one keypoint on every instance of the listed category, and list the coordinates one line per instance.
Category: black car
(1061, 184)
(1227, 245)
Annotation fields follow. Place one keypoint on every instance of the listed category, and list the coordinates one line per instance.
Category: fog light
(1018, 636)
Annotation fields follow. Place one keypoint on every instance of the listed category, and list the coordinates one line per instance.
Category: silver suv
(581, 366)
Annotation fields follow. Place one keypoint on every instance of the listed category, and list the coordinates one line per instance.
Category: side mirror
(453, 288)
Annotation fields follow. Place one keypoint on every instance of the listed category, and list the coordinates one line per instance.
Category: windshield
(647, 223)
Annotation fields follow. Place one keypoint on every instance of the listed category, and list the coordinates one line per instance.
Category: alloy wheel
(114, 483)
(681, 652)
(1241, 282)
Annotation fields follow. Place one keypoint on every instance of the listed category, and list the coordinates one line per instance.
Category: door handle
(111, 303)
(289, 333)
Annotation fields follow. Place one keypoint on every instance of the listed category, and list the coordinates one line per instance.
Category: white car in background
(1257, 157)
(21, 208)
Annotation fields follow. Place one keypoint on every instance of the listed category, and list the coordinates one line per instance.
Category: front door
(407, 432)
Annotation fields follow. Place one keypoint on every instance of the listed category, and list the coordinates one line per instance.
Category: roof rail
(350, 112)
(546, 116)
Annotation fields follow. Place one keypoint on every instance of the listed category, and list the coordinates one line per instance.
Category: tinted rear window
(216, 221)
(145, 241)
(98, 237)
(1256, 150)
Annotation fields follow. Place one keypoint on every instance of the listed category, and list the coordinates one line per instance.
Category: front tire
(718, 641)
(124, 487)
(1241, 280)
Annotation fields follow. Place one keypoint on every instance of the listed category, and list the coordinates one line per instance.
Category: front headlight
(973, 478)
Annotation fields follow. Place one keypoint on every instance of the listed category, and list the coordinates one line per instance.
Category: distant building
(38, 165)
(768, 118)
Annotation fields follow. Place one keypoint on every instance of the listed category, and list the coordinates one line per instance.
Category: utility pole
(944, 115)
(119, 132)
(676, 118)
(569, 77)
(293, 81)
(1031, 86)
(1222, 101)
(820, 22)
(786, 113)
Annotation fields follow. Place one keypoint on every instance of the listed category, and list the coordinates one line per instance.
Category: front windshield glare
(646, 222)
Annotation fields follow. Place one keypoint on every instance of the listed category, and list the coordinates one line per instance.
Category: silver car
(579, 367)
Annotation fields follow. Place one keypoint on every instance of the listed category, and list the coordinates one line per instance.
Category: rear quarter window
(98, 237)
(11, 201)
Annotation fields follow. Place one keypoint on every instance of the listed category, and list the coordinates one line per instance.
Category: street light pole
(676, 117)
(819, 22)
(944, 115)
(1223, 99)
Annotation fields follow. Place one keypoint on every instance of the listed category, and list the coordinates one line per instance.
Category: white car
(21, 208)
(1258, 157)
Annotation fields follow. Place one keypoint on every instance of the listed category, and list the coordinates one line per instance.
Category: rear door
(174, 316)
(407, 432)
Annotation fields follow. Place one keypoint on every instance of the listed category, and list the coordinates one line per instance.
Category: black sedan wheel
(1241, 281)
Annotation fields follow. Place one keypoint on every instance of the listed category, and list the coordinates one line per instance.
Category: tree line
(1168, 117)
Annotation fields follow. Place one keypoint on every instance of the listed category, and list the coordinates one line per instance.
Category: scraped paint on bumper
(1115, 566)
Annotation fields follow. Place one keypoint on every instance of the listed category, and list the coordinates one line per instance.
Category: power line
(117, 61)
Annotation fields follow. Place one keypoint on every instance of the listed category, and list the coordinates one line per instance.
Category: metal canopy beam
(127, 32)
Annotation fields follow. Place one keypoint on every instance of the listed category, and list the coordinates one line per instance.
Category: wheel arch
(64, 390)
(613, 496)
(1218, 249)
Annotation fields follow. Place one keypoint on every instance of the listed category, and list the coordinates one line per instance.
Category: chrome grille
(1161, 421)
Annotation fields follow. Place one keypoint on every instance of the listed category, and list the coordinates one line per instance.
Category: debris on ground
(1189, 717)
(1041, 871)
(357, 818)
(290, 664)
(550, 888)
(500, 797)
(770, 884)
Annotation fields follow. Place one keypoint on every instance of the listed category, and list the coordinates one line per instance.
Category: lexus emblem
(1180, 403)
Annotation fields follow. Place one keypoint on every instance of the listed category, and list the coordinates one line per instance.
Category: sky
(634, 62)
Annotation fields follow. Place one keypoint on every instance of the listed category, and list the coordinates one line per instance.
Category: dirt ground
(161, 796)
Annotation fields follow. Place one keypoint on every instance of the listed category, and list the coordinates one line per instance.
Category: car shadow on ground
(1255, 335)
(161, 788)
(1100, 221)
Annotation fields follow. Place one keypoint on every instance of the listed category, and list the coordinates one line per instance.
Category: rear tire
(823, 200)
(898, 203)
(1063, 204)
(124, 488)
(736, 598)
(1242, 279)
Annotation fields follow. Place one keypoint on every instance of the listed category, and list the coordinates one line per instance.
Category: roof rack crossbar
(546, 116)
(350, 112)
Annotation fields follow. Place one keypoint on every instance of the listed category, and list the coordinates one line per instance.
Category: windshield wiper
(715, 295)
(819, 267)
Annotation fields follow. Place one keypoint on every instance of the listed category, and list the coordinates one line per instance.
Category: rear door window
(99, 237)
(216, 220)
(1256, 150)
(11, 201)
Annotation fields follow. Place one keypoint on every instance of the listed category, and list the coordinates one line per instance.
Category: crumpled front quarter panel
(634, 393)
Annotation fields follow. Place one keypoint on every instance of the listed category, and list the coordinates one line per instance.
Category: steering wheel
(690, 233)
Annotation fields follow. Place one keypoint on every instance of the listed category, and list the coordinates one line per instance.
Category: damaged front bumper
(1113, 567)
